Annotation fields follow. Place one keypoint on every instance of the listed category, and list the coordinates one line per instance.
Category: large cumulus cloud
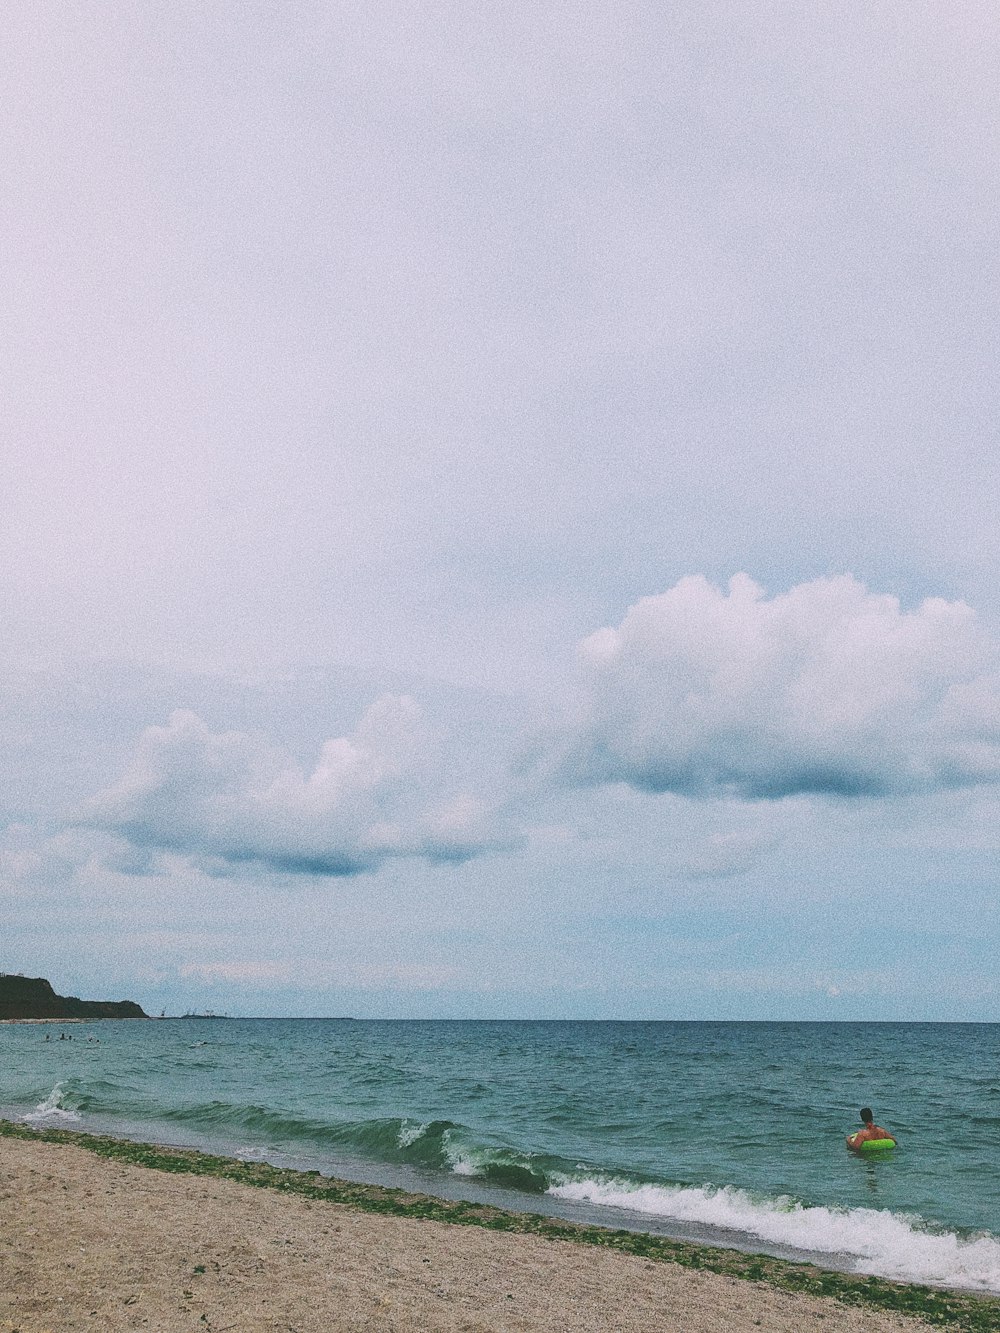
(236, 798)
(826, 689)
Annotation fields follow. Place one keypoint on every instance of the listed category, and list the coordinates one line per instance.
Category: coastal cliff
(33, 997)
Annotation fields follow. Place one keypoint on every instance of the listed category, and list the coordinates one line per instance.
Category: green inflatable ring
(877, 1145)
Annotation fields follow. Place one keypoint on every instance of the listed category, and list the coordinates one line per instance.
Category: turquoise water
(730, 1132)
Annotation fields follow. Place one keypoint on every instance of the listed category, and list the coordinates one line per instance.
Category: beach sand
(87, 1243)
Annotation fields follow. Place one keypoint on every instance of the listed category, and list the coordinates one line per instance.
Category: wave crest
(61, 1104)
(892, 1245)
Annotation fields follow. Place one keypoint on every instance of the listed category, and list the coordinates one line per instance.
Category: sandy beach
(102, 1245)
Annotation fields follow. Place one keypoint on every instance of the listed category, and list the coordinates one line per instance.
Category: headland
(32, 999)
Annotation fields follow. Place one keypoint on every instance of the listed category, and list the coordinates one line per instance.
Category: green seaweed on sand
(943, 1308)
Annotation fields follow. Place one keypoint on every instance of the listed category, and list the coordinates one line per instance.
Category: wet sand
(94, 1244)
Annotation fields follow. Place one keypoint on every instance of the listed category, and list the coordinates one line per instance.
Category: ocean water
(731, 1133)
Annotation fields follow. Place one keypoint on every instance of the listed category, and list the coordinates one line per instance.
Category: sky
(499, 511)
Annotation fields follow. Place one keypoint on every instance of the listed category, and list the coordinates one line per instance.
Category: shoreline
(10, 1022)
(85, 1018)
(788, 1281)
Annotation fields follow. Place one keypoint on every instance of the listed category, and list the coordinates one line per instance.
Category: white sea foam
(461, 1161)
(52, 1108)
(889, 1244)
(409, 1133)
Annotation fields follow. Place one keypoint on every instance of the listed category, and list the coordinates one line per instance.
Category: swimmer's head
(866, 1115)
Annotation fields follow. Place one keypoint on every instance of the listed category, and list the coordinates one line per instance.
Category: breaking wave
(878, 1241)
(436, 1145)
(61, 1105)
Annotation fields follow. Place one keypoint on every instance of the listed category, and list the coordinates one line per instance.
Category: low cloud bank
(828, 689)
(234, 798)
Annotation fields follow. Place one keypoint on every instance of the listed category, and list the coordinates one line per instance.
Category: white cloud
(34, 862)
(235, 798)
(826, 689)
(320, 974)
(252, 970)
(723, 855)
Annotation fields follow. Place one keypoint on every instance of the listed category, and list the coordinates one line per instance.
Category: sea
(723, 1133)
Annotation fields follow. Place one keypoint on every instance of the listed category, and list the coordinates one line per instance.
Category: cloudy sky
(499, 507)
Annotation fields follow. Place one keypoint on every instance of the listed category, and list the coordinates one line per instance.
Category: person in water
(870, 1131)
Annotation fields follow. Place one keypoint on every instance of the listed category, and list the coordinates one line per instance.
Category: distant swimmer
(870, 1133)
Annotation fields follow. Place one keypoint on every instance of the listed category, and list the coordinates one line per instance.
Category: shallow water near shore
(728, 1132)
